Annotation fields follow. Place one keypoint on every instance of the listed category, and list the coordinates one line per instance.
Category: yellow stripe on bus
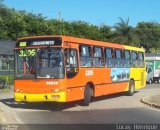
(58, 97)
(134, 48)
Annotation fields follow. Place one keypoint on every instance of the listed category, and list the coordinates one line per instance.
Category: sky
(97, 12)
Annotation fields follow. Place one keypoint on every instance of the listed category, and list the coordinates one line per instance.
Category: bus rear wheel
(158, 80)
(131, 88)
(87, 95)
(150, 81)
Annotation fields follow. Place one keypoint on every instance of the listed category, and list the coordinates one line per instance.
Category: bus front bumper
(57, 97)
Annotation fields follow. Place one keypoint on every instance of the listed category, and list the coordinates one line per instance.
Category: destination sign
(40, 42)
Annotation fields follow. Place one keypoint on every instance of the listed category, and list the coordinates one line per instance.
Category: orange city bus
(65, 68)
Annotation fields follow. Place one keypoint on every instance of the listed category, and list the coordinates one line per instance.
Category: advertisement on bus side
(120, 74)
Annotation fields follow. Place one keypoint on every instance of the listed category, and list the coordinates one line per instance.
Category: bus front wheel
(131, 88)
(87, 95)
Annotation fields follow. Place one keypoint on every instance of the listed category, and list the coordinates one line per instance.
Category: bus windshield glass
(39, 63)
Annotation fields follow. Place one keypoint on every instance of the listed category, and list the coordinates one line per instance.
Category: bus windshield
(39, 63)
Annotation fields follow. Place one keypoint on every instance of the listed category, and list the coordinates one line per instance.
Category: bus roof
(87, 41)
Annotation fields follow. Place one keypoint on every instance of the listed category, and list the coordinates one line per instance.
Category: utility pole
(59, 19)
(59, 16)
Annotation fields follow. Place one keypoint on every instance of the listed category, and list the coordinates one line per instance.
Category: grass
(5, 90)
(7, 78)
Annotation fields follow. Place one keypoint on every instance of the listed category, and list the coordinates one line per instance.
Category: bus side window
(127, 58)
(109, 54)
(141, 59)
(98, 59)
(134, 61)
(71, 62)
(119, 61)
(85, 56)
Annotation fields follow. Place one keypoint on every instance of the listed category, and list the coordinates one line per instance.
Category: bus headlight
(58, 90)
(17, 90)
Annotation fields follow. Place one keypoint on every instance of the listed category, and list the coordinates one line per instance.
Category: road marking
(18, 119)
(2, 119)
(155, 109)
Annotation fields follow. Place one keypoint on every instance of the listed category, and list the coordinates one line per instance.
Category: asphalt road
(112, 109)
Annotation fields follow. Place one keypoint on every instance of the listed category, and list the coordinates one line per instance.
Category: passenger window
(109, 53)
(134, 61)
(71, 62)
(110, 60)
(118, 54)
(127, 55)
(119, 61)
(140, 56)
(127, 59)
(98, 57)
(134, 55)
(85, 56)
(141, 59)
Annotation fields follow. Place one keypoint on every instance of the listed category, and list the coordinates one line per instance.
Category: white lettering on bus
(89, 72)
(51, 83)
(40, 43)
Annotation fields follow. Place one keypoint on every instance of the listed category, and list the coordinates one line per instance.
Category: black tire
(150, 81)
(131, 88)
(158, 80)
(87, 95)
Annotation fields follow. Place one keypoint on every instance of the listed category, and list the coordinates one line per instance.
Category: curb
(147, 102)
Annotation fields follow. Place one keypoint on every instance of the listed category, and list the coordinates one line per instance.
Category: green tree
(149, 35)
(4, 12)
(106, 33)
(123, 32)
